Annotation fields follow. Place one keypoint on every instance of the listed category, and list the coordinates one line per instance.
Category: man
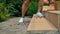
(40, 4)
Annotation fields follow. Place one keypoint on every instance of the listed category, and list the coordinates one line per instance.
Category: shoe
(39, 14)
(21, 20)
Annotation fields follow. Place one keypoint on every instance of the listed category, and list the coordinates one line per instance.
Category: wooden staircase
(38, 23)
(53, 16)
(51, 22)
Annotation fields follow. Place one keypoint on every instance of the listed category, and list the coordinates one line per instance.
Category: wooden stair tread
(40, 24)
(56, 12)
(53, 17)
(45, 8)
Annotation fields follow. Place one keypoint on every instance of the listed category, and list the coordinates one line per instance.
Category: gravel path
(12, 26)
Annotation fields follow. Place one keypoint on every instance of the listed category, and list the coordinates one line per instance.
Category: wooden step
(57, 5)
(40, 24)
(53, 17)
(47, 8)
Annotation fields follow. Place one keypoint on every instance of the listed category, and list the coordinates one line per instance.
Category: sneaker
(21, 20)
(39, 14)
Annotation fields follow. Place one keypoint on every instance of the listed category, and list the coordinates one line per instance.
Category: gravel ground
(12, 26)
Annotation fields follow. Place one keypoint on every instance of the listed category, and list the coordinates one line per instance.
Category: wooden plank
(56, 12)
(45, 13)
(57, 5)
(59, 22)
(40, 24)
(48, 8)
(53, 17)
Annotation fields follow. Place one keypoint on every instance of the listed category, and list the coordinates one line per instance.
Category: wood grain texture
(57, 5)
(59, 22)
(38, 23)
(56, 12)
(48, 8)
(53, 17)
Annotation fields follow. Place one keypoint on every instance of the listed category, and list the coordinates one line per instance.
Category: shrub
(3, 12)
(14, 7)
(10, 8)
(32, 8)
(4, 16)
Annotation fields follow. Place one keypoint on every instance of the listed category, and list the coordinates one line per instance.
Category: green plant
(32, 8)
(3, 12)
(4, 15)
(10, 8)
(14, 7)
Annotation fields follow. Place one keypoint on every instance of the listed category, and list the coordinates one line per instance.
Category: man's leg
(40, 4)
(24, 8)
(52, 2)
